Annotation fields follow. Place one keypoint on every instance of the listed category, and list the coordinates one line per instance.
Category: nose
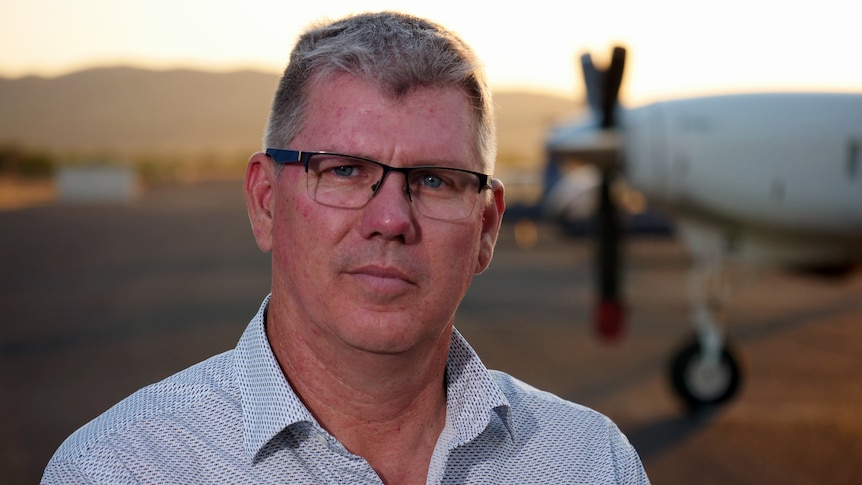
(389, 213)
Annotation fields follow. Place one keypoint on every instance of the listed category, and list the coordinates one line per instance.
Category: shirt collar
(471, 394)
(269, 403)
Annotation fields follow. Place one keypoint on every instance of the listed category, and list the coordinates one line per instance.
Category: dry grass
(16, 193)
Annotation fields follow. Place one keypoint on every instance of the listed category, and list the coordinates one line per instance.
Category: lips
(383, 279)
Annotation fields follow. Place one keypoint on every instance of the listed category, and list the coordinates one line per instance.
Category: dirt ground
(101, 299)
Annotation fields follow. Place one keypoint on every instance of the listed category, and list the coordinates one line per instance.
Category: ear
(258, 188)
(492, 217)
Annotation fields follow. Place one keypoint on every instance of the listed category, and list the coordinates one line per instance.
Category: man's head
(394, 51)
(383, 270)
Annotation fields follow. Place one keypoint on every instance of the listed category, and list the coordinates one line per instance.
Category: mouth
(383, 279)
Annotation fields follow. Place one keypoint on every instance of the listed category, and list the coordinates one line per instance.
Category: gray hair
(397, 52)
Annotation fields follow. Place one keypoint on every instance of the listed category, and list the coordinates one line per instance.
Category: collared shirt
(235, 419)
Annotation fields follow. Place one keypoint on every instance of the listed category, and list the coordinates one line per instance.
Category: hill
(124, 112)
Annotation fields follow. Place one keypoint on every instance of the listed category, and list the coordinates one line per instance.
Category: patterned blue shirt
(235, 419)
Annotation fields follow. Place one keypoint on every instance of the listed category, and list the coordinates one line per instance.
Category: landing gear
(704, 372)
(701, 380)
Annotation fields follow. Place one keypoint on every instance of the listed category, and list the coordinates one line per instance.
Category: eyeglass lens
(437, 192)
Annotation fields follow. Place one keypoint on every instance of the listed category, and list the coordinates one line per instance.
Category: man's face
(381, 278)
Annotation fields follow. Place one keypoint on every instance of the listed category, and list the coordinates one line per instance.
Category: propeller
(598, 144)
(603, 89)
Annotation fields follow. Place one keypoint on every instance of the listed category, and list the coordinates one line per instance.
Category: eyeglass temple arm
(279, 155)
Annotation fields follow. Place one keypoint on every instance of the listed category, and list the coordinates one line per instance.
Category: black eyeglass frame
(284, 156)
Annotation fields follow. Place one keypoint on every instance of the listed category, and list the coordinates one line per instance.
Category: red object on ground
(610, 320)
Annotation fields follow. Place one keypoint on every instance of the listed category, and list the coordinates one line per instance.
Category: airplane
(758, 179)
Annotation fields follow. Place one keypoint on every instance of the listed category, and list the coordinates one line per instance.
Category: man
(373, 199)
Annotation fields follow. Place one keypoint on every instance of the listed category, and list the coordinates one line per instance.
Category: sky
(676, 48)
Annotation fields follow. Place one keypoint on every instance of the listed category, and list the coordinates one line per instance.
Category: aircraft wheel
(700, 384)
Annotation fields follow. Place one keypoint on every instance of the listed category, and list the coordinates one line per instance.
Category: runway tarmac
(100, 300)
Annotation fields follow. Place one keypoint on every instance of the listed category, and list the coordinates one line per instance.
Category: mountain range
(130, 112)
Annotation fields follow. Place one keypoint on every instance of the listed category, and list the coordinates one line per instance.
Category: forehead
(428, 124)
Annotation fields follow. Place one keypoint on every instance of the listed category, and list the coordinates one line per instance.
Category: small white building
(96, 183)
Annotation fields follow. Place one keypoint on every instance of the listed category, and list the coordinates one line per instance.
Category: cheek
(297, 232)
(305, 212)
(457, 257)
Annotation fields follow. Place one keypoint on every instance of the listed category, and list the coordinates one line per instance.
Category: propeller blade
(609, 317)
(593, 84)
(613, 79)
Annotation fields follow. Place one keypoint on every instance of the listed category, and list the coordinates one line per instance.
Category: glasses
(349, 182)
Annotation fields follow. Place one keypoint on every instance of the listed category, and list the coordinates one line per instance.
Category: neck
(387, 408)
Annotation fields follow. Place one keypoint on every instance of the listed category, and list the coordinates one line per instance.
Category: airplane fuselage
(782, 171)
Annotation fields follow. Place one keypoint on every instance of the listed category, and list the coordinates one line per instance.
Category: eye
(431, 181)
(343, 170)
(441, 181)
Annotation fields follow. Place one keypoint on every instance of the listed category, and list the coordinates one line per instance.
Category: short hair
(395, 51)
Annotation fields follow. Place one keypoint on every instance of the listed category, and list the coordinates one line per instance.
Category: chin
(395, 338)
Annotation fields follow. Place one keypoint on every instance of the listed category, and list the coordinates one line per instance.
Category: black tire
(698, 389)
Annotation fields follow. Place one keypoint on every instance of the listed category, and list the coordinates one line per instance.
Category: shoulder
(552, 430)
(525, 399)
(183, 400)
